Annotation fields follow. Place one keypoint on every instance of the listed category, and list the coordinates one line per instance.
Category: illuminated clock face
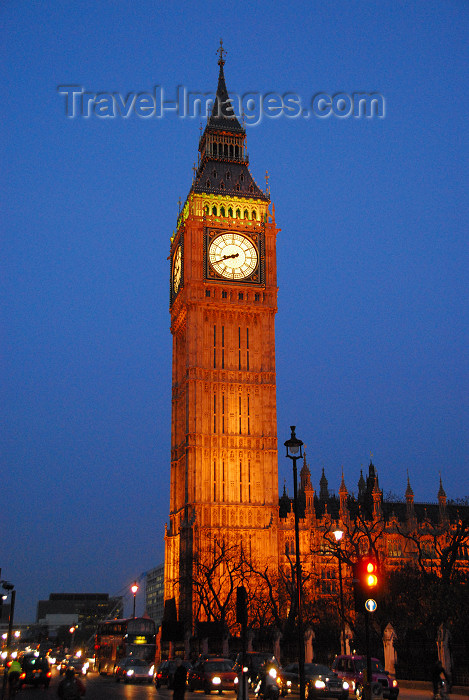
(177, 269)
(233, 256)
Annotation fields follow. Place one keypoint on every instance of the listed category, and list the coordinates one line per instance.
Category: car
(80, 664)
(35, 670)
(161, 674)
(253, 660)
(132, 669)
(212, 674)
(165, 672)
(352, 668)
(320, 682)
(62, 665)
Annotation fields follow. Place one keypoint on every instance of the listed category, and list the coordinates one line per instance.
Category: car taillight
(49, 674)
(23, 675)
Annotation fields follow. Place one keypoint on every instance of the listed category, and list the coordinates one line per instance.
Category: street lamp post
(338, 534)
(134, 590)
(294, 453)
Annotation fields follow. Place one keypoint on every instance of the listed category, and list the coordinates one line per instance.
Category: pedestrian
(70, 688)
(14, 673)
(179, 680)
(438, 675)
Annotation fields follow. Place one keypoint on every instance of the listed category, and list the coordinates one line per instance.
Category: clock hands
(226, 257)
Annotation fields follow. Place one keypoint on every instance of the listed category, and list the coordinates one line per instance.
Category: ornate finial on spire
(409, 493)
(221, 52)
(179, 204)
(343, 488)
(194, 170)
(267, 186)
(441, 491)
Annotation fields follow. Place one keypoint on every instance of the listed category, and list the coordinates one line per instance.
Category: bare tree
(438, 546)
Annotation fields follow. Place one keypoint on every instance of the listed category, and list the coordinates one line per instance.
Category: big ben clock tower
(223, 300)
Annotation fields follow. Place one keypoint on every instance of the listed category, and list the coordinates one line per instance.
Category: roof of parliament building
(368, 492)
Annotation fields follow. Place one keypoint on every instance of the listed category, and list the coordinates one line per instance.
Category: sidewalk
(424, 685)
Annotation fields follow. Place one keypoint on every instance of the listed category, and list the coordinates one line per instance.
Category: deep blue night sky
(372, 328)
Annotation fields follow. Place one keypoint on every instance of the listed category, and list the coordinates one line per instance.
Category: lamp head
(338, 534)
(293, 445)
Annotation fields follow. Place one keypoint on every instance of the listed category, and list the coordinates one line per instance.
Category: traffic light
(370, 575)
(366, 581)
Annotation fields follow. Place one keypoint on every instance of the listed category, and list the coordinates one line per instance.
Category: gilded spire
(442, 501)
(223, 117)
(441, 491)
(223, 159)
(343, 488)
(323, 487)
(361, 485)
(409, 493)
(305, 475)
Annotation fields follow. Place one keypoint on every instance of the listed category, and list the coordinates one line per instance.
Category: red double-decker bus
(115, 639)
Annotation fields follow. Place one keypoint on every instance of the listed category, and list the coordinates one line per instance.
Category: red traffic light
(370, 574)
(367, 581)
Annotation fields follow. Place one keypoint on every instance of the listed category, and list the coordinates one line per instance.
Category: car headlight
(320, 685)
(345, 685)
(236, 680)
(216, 680)
(288, 684)
(130, 672)
(273, 673)
(151, 671)
(394, 683)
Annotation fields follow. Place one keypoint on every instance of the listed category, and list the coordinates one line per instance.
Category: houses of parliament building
(228, 525)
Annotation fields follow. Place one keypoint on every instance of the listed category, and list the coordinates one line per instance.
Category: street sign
(371, 605)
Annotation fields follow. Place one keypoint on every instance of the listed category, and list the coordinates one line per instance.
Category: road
(100, 688)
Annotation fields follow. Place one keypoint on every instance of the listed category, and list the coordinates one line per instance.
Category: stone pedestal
(309, 652)
(390, 656)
